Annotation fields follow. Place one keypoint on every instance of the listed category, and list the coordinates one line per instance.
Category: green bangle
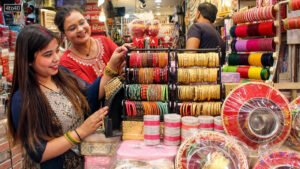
(148, 88)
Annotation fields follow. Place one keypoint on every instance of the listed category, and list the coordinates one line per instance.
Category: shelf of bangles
(256, 43)
(198, 88)
(147, 84)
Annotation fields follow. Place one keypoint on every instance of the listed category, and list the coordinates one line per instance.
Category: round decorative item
(152, 28)
(211, 150)
(137, 28)
(278, 160)
(294, 139)
(257, 114)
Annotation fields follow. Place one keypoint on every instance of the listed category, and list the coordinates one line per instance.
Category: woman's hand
(92, 123)
(118, 57)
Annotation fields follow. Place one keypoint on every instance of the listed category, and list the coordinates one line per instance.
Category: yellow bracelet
(110, 72)
(69, 140)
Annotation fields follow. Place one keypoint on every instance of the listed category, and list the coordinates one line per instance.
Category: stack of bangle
(197, 109)
(110, 72)
(199, 92)
(138, 60)
(148, 75)
(198, 59)
(71, 139)
(197, 75)
(135, 108)
(147, 92)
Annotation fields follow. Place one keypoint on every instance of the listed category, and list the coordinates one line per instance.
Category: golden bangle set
(197, 75)
(197, 109)
(110, 72)
(198, 59)
(71, 139)
(199, 92)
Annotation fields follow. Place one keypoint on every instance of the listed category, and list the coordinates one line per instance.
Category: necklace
(48, 88)
(87, 54)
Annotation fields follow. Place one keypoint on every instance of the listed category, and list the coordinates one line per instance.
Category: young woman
(48, 105)
(86, 56)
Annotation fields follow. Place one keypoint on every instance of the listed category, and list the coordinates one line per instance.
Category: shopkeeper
(47, 106)
(202, 34)
(86, 56)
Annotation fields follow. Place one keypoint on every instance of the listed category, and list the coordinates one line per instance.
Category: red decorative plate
(210, 149)
(294, 139)
(257, 114)
(278, 160)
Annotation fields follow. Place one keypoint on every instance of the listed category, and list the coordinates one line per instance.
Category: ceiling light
(158, 13)
(157, 1)
(157, 6)
(143, 4)
(126, 16)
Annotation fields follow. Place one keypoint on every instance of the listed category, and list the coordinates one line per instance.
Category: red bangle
(154, 59)
(166, 74)
(139, 60)
(127, 108)
(166, 59)
(132, 61)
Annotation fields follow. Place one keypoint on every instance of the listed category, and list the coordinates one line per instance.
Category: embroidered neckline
(88, 61)
(96, 62)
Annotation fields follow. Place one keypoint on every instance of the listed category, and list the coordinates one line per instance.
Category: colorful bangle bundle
(258, 29)
(198, 59)
(199, 92)
(138, 60)
(291, 23)
(147, 92)
(253, 59)
(197, 109)
(254, 14)
(148, 75)
(294, 4)
(197, 75)
(264, 44)
(258, 73)
(110, 72)
(135, 108)
(71, 139)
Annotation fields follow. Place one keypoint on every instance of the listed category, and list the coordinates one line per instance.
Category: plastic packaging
(218, 126)
(211, 150)
(189, 126)
(151, 129)
(98, 144)
(206, 123)
(294, 138)
(137, 28)
(278, 160)
(97, 162)
(230, 77)
(137, 150)
(145, 164)
(133, 130)
(258, 115)
(152, 28)
(172, 124)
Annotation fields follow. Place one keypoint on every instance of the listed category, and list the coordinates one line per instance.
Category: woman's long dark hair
(35, 121)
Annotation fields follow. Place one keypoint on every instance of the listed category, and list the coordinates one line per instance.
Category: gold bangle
(110, 72)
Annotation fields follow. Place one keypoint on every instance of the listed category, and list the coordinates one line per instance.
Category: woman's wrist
(114, 67)
(81, 133)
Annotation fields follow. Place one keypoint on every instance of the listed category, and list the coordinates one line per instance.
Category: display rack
(176, 105)
(130, 82)
(254, 17)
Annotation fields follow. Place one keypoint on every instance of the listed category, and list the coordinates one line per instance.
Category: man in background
(202, 34)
